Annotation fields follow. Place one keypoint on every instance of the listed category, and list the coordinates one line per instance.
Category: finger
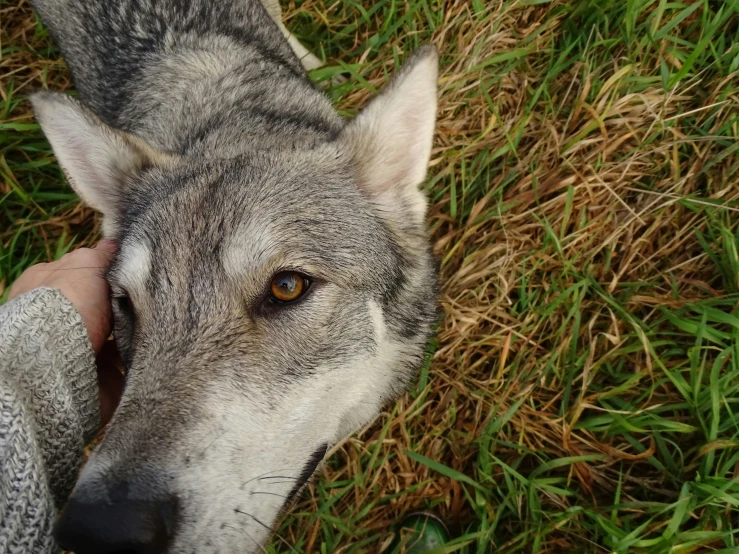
(99, 257)
(83, 258)
(107, 245)
(104, 250)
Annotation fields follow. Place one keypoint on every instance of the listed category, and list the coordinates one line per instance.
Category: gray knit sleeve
(49, 409)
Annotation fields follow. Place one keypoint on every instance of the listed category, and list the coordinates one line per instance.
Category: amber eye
(288, 286)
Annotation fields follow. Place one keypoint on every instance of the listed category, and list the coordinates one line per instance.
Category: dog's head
(266, 306)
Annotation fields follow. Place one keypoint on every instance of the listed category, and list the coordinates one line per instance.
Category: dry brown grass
(603, 188)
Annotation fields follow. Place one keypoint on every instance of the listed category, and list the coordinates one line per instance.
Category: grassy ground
(583, 392)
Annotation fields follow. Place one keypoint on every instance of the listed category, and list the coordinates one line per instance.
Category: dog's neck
(218, 98)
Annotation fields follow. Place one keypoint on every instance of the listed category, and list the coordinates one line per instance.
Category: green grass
(583, 392)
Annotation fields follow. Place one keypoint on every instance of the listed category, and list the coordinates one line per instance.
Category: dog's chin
(248, 526)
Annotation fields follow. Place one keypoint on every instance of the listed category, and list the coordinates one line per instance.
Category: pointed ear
(99, 161)
(391, 138)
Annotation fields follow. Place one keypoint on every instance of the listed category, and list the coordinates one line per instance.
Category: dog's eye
(124, 304)
(288, 286)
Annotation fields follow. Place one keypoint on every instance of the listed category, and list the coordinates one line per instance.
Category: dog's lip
(308, 469)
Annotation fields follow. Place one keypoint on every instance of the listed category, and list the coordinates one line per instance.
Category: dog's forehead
(208, 199)
(239, 216)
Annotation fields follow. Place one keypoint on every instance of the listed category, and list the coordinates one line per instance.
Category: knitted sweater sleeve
(49, 409)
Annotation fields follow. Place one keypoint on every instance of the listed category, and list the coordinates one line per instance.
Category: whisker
(252, 539)
(259, 545)
(270, 493)
(218, 437)
(271, 531)
(254, 518)
(280, 482)
(262, 476)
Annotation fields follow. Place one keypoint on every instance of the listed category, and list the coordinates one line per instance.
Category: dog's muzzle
(116, 524)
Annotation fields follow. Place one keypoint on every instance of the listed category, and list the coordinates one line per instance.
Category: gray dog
(274, 286)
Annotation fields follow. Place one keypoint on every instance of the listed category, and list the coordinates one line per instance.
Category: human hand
(80, 276)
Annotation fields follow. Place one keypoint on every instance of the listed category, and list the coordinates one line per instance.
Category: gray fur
(236, 167)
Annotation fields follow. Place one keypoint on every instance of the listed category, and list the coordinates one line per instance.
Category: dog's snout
(116, 526)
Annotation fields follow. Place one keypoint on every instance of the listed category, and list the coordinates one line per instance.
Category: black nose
(122, 527)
